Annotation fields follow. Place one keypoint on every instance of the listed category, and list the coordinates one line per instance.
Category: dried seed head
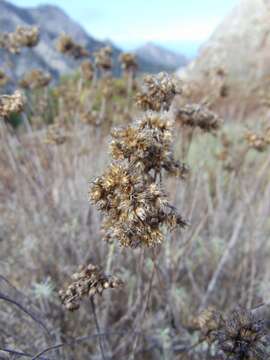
(10, 104)
(56, 135)
(148, 144)
(90, 117)
(103, 58)
(35, 79)
(240, 336)
(157, 93)
(88, 282)
(258, 142)
(137, 210)
(67, 46)
(22, 37)
(27, 36)
(128, 62)
(198, 115)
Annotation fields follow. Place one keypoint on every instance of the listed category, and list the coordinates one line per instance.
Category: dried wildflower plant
(21, 37)
(128, 62)
(239, 336)
(148, 145)
(103, 58)
(129, 193)
(259, 142)
(66, 45)
(89, 117)
(157, 92)
(56, 134)
(10, 104)
(89, 281)
(35, 79)
(197, 115)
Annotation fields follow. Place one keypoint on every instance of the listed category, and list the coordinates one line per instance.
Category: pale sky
(181, 25)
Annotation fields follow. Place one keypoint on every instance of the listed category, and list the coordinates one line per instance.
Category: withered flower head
(10, 104)
(27, 36)
(137, 212)
(103, 58)
(148, 145)
(21, 37)
(239, 336)
(87, 282)
(258, 142)
(67, 46)
(128, 62)
(157, 93)
(87, 70)
(198, 115)
(56, 135)
(90, 117)
(35, 79)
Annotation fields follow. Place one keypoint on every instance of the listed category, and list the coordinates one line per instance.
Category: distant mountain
(52, 21)
(241, 47)
(161, 57)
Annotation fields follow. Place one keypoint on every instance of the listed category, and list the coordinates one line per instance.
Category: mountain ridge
(53, 21)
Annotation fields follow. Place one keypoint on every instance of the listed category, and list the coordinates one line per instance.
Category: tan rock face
(240, 46)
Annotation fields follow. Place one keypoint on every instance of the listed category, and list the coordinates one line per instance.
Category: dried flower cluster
(197, 115)
(89, 117)
(87, 70)
(67, 46)
(137, 211)
(21, 37)
(258, 142)
(10, 104)
(157, 93)
(128, 62)
(148, 145)
(35, 79)
(240, 336)
(88, 282)
(103, 58)
(56, 134)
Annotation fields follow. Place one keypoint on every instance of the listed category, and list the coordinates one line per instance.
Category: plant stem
(97, 327)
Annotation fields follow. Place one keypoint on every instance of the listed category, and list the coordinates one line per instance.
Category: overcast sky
(177, 24)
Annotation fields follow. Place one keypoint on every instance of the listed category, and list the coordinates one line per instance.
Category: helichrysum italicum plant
(89, 281)
(259, 142)
(128, 63)
(66, 45)
(10, 104)
(21, 37)
(35, 79)
(129, 193)
(56, 134)
(239, 335)
(157, 92)
(103, 59)
(197, 115)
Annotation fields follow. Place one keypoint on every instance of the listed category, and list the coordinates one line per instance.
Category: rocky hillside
(52, 21)
(160, 56)
(236, 59)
